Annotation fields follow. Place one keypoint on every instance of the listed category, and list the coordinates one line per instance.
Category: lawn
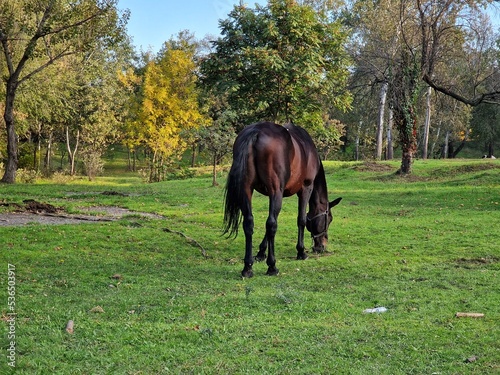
(145, 300)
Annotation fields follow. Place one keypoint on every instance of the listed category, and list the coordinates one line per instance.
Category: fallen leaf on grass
(97, 309)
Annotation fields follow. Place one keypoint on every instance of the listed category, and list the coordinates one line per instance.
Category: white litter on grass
(376, 310)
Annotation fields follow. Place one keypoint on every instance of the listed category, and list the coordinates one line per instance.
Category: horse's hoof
(272, 271)
(302, 256)
(260, 257)
(247, 273)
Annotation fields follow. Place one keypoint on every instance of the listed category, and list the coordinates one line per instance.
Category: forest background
(368, 79)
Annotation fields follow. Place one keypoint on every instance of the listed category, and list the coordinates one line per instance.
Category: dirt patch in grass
(33, 212)
(464, 169)
(370, 166)
(477, 262)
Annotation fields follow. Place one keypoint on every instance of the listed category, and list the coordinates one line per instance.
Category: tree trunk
(48, 154)
(38, 149)
(435, 140)
(403, 101)
(461, 145)
(380, 122)
(129, 160)
(214, 171)
(36, 146)
(9, 176)
(406, 122)
(71, 155)
(193, 155)
(153, 172)
(390, 147)
(427, 124)
(356, 151)
(446, 144)
(450, 150)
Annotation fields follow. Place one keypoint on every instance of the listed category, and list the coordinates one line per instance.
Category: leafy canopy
(280, 63)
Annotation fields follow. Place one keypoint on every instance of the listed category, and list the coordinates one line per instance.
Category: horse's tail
(234, 193)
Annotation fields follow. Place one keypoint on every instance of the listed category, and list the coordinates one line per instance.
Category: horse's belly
(290, 192)
(291, 188)
(294, 185)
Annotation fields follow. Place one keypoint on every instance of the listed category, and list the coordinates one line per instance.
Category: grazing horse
(277, 161)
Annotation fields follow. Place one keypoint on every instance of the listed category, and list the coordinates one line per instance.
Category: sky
(152, 22)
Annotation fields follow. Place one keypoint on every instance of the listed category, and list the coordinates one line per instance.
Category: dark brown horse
(277, 161)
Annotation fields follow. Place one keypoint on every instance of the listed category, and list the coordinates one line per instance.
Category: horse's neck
(319, 197)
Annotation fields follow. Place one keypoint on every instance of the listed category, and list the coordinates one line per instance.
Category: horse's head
(318, 226)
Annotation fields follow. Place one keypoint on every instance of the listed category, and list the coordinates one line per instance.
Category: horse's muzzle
(320, 244)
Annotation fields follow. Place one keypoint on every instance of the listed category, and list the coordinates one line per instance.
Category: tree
(41, 108)
(327, 138)
(443, 22)
(374, 48)
(34, 35)
(446, 45)
(102, 106)
(131, 80)
(277, 62)
(403, 102)
(218, 139)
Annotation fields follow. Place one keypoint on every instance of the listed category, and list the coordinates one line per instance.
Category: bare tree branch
(490, 97)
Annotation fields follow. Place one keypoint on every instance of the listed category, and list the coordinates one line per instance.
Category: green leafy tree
(327, 137)
(35, 34)
(41, 108)
(278, 63)
(218, 140)
(102, 102)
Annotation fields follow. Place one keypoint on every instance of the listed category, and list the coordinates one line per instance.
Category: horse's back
(280, 157)
(269, 156)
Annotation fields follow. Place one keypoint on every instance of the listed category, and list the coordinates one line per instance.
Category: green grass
(425, 247)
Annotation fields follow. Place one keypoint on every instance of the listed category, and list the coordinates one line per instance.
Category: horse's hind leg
(271, 229)
(261, 255)
(248, 225)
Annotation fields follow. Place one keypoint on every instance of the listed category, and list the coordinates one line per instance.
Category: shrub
(93, 163)
(61, 178)
(27, 176)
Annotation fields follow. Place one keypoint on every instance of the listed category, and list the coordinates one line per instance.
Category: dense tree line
(363, 76)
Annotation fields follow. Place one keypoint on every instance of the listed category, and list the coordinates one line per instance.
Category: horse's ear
(334, 203)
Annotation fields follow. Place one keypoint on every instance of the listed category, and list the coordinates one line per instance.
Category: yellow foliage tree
(131, 81)
(169, 106)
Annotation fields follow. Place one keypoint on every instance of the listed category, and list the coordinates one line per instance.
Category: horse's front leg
(304, 196)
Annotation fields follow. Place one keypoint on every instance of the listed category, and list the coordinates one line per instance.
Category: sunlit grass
(424, 246)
